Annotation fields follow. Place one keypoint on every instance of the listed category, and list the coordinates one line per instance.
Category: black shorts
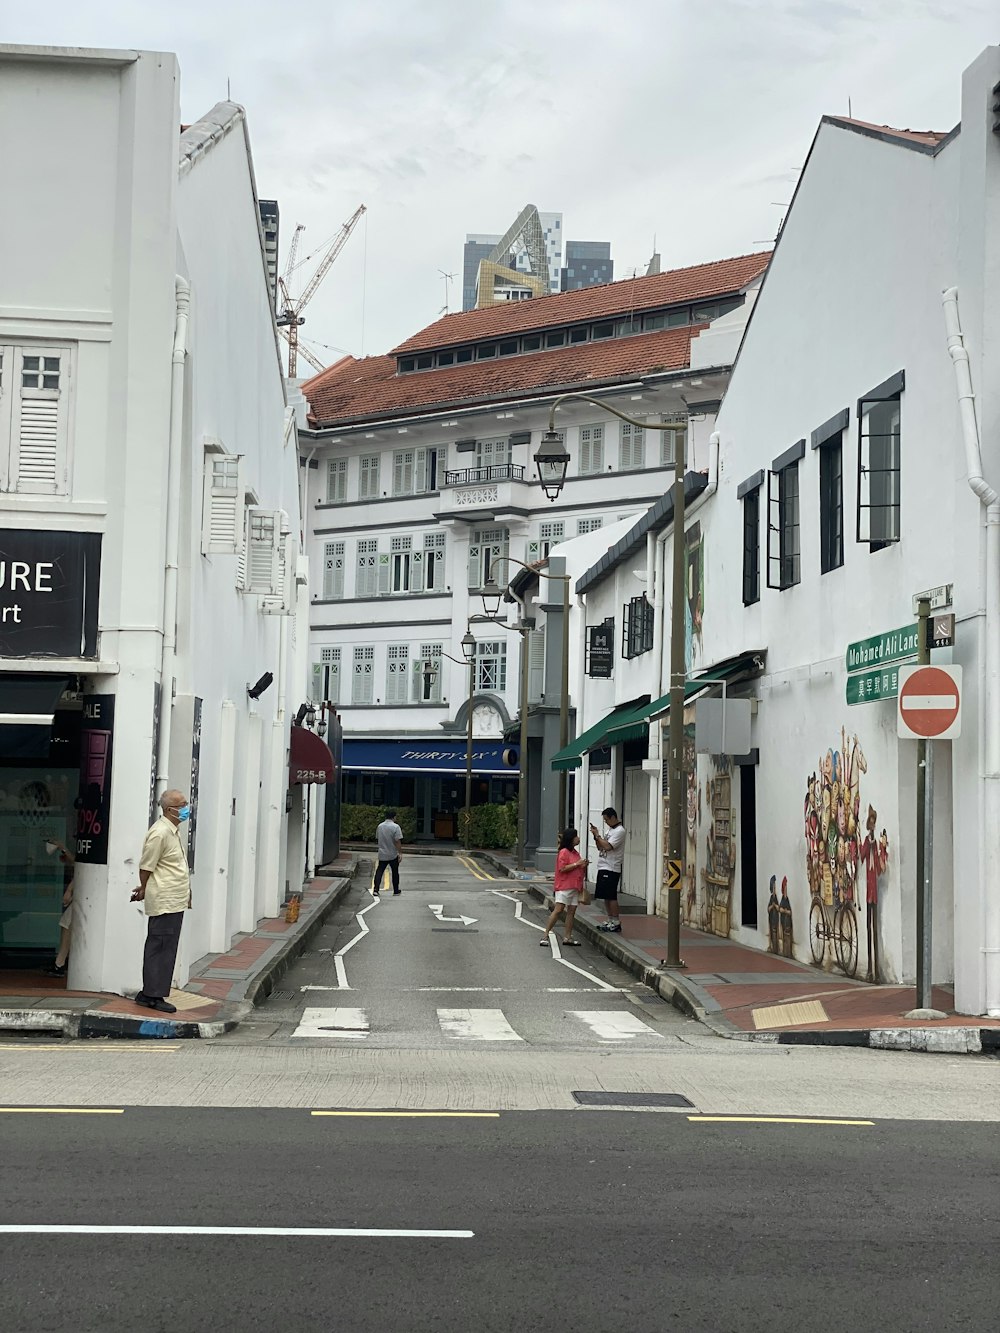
(607, 884)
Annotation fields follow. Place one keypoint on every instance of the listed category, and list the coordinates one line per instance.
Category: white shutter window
(363, 684)
(534, 552)
(491, 667)
(366, 580)
(430, 692)
(591, 450)
(336, 481)
(316, 692)
(475, 564)
(631, 447)
(671, 440)
(397, 667)
(333, 570)
(588, 525)
(384, 574)
(536, 665)
(368, 488)
(421, 470)
(37, 382)
(488, 545)
(330, 666)
(549, 535)
(493, 453)
(402, 472)
(262, 559)
(399, 566)
(285, 587)
(222, 505)
(434, 554)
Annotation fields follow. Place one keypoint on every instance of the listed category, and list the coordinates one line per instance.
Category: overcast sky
(679, 119)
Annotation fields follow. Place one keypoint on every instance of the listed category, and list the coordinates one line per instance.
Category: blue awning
(489, 757)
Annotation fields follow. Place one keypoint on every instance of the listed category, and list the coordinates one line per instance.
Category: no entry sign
(930, 703)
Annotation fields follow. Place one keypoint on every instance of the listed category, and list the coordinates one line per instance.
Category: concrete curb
(260, 986)
(528, 876)
(944, 1041)
(62, 1021)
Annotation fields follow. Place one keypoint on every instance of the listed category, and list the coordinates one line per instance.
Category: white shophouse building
(858, 466)
(148, 476)
(421, 481)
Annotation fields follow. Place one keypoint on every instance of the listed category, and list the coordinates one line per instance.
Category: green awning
(591, 739)
(634, 724)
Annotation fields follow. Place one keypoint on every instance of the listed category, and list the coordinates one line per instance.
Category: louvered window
(403, 462)
(397, 668)
(402, 565)
(336, 481)
(434, 555)
(34, 384)
(260, 562)
(487, 547)
(536, 665)
(366, 575)
(670, 441)
(326, 677)
(491, 667)
(549, 535)
(222, 505)
(429, 686)
(363, 684)
(584, 525)
(591, 458)
(631, 447)
(368, 488)
(333, 570)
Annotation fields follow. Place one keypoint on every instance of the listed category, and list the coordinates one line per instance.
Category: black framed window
(879, 462)
(751, 547)
(637, 627)
(831, 503)
(783, 535)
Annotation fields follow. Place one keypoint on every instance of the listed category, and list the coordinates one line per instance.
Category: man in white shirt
(389, 837)
(611, 847)
(165, 891)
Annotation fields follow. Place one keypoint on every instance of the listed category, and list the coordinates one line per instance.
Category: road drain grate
(632, 1099)
(282, 995)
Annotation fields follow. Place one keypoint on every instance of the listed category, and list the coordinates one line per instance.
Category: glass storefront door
(36, 814)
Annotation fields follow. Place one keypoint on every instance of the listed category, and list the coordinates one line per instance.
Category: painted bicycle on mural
(832, 809)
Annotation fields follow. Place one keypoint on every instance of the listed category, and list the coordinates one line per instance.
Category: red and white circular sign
(930, 702)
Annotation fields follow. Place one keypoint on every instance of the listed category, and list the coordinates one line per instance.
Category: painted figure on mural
(785, 919)
(694, 913)
(831, 811)
(773, 923)
(875, 856)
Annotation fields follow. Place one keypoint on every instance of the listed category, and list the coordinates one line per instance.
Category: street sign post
(930, 703)
(893, 646)
(868, 687)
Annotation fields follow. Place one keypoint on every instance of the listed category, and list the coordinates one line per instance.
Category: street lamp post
(491, 595)
(552, 461)
(524, 630)
(430, 672)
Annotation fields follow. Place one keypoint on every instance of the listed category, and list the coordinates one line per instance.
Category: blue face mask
(184, 813)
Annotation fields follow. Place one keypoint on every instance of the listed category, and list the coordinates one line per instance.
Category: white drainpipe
(659, 640)
(182, 297)
(990, 652)
(582, 791)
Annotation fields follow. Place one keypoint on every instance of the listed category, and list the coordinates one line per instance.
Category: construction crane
(290, 317)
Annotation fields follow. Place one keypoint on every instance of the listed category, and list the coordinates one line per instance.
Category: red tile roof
(702, 282)
(929, 138)
(353, 390)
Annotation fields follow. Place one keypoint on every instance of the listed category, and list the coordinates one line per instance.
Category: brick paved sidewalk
(219, 993)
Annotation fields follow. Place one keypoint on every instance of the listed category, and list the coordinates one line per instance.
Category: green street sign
(869, 686)
(893, 646)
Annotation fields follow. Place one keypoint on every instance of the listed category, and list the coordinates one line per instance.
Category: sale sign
(93, 805)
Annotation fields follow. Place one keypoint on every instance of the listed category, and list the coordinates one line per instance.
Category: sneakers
(611, 927)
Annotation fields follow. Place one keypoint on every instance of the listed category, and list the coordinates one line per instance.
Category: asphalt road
(586, 1221)
(455, 962)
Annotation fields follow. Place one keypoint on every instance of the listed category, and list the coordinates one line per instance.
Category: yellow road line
(61, 1110)
(471, 867)
(416, 1115)
(772, 1120)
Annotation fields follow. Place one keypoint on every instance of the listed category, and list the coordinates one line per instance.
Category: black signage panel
(601, 650)
(93, 805)
(49, 586)
(195, 772)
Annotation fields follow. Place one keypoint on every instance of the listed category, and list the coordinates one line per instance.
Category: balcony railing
(475, 476)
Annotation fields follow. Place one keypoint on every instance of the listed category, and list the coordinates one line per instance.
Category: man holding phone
(611, 846)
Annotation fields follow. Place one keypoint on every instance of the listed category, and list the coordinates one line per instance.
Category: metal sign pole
(925, 833)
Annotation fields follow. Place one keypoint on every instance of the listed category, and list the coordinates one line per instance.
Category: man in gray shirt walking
(389, 837)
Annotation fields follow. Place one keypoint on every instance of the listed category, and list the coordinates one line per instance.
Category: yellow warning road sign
(673, 874)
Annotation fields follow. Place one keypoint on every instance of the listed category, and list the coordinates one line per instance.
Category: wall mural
(694, 601)
(720, 863)
(693, 911)
(832, 810)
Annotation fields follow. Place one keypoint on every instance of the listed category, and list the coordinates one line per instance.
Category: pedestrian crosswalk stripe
(476, 1024)
(351, 1024)
(610, 1026)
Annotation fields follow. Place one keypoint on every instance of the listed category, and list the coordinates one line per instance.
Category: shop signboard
(49, 585)
(93, 805)
(601, 650)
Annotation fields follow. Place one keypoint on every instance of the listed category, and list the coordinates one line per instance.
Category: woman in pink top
(570, 870)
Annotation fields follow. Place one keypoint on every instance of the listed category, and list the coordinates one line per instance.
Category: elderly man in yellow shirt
(165, 889)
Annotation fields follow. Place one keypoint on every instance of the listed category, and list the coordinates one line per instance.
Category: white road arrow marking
(438, 910)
